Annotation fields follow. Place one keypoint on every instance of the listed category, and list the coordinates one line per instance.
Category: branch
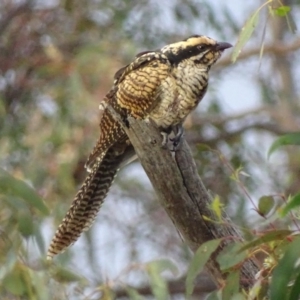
(183, 196)
(18, 10)
(227, 135)
(202, 285)
(219, 120)
(278, 48)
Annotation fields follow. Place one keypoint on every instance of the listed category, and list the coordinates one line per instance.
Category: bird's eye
(201, 47)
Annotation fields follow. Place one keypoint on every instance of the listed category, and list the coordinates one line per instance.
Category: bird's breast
(180, 94)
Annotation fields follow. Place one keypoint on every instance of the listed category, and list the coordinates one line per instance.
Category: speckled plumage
(164, 85)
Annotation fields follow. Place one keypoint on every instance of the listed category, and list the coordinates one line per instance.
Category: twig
(218, 120)
(227, 135)
(278, 48)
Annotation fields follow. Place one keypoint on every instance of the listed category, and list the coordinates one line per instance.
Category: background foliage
(57, 60)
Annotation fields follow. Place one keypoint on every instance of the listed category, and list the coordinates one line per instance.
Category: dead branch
(183, 196)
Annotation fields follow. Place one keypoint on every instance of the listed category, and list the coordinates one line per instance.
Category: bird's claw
(178, 133)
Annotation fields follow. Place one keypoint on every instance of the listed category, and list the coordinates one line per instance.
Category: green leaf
(198, 262)
(245, 35)
(294, 202)
(216, 295)
(287, 139)
(216, 206)
(259, 290)
(265, 205)
(133, 294)
(63, 275)
(264, 290)
(238, 296)
(232, 285)
(158, 284)
(163, 265)
(282, 11)
(284, 271)
(18, 188)
(25, 224)
(295, 292)
(231, 256)
(268, 237)
(236, 174)
(14, 283)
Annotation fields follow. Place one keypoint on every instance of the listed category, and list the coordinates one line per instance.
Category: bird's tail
(89, 199)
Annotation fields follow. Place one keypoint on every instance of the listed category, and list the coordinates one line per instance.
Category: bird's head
(199, 49)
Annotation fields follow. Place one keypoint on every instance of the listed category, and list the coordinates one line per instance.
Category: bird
(164, 86)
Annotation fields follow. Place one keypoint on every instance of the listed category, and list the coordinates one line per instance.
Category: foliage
(199, 260)
(57, 62)
(287, 139)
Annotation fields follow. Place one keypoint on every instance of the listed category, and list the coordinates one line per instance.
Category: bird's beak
(222, 46)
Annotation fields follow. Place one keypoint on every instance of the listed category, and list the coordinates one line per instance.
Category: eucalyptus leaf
(265, 205)
(198, 262)
(232, 285)
(245, 34)
(231, 256)
(284, 271)
(287, 139)
(10, 185)
(292, 203)
(267, 237)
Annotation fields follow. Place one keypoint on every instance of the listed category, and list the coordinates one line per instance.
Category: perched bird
(164, 85)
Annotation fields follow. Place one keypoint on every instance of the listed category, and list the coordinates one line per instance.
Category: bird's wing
(139, 85)
(135, 92)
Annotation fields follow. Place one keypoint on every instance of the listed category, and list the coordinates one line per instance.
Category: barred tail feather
(87, 202)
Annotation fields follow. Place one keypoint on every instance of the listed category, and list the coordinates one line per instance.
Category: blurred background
(57, 61)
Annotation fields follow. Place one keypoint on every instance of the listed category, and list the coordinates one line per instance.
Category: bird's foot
(178, 133)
